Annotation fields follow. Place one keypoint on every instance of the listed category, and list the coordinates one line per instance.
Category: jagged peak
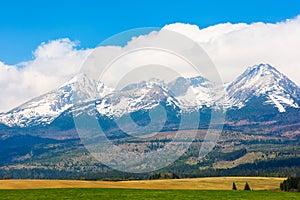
(261, 66)
(256, 73)
(78, 78)
(261, 69)
(263, 80)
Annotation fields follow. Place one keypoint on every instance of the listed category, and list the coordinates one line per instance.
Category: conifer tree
(247, 187)
(234, 186)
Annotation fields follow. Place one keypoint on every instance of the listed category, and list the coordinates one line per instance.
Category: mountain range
(260, 134)
(260, 89)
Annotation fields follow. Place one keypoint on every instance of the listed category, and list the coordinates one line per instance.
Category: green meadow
(131, 194)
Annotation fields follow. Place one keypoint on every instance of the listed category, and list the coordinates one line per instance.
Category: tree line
(290, 184)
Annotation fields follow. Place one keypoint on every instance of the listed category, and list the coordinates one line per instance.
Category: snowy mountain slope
(45, 108)
(263, 81)
(187, 94)
(194, 93)
(143, 96)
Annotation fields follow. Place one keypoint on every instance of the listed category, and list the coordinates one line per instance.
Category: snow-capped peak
(141, 96)
(187, 94)
(263, 80)
(46, 108)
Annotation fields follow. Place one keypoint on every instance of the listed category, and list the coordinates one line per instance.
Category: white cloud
(53, 64)
(233, 47)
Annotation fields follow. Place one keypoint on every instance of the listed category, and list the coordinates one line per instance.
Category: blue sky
(24, 25)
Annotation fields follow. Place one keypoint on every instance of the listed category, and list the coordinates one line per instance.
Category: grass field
(132, 194)
(218, 183)
(197, 188)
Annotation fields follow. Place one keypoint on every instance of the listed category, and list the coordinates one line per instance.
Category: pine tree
(247, 187)
(234, 186)
(281, 187)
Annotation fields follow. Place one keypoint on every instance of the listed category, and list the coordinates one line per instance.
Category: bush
(290, 184)
(6, 177)
(165, 175)
(234, 186)
(247, 187)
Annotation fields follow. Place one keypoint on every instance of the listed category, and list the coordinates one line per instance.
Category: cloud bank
(53, 64)
(232, 47)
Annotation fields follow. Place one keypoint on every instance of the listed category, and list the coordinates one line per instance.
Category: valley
(236, 153)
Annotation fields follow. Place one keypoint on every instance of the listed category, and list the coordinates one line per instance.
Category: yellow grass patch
(218, 183)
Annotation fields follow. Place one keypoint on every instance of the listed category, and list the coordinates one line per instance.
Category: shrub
(234, 186)
(290, 184)
(247, 187)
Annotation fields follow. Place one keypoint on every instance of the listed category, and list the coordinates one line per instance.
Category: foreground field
(217, 183)
(198, 188)
(98, 193)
